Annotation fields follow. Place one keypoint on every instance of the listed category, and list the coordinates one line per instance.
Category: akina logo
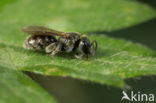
(138, 96)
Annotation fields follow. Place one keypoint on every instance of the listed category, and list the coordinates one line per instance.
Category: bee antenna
(95, 46)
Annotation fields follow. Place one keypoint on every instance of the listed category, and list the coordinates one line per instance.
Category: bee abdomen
(38, 42)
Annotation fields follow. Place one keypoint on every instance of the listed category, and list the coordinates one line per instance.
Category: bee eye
(85, 46)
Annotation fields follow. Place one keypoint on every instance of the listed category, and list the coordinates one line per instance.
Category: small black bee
(42, 38)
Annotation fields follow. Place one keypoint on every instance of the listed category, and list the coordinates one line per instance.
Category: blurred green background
(68, 90)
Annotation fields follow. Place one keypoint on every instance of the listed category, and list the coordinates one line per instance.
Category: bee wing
(39, 30)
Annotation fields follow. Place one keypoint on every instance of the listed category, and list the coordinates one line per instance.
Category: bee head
(86, 47)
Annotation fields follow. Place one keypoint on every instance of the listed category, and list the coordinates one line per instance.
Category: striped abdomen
(38, 42)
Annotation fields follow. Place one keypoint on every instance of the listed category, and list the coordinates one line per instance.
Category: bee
(44, 39)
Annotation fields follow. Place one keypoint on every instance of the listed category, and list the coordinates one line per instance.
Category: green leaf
(77, 15)
(16, 87)
(116, 59)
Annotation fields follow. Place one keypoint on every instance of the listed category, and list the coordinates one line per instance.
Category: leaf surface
(16, 87)
(115, 60)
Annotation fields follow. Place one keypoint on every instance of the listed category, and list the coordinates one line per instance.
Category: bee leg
(57, 49)
(78, 55)
(53, 48)
(50, 48)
